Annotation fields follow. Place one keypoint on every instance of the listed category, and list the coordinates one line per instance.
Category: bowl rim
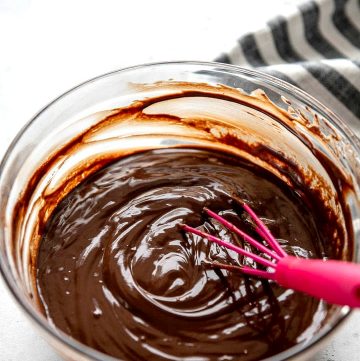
(86, 351)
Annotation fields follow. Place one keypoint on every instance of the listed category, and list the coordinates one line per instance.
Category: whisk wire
(238, 231)
(228, 245)
(244, 269)
(264, 232)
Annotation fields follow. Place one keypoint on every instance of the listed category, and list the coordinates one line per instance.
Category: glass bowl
(311, 129)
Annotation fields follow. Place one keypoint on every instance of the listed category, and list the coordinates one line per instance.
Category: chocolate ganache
(116, 272)
(113, 268)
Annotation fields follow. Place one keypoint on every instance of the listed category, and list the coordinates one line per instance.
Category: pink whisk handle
(336, 282)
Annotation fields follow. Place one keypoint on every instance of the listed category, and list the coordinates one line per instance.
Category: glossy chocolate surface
(116, 272)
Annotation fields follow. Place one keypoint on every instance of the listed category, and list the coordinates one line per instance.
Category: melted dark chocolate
(116, 272)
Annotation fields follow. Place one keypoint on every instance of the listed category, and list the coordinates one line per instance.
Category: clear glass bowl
(69, 115)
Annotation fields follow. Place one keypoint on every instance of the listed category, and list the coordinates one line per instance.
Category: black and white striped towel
(316, 47)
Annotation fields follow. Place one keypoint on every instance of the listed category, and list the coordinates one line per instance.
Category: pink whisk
(337, 282)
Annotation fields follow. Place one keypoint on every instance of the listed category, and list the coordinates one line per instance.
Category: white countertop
(47, 47)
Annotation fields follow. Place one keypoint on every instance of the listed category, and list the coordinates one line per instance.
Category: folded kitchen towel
(315, 46)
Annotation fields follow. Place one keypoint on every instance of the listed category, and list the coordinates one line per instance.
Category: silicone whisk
(337, 282)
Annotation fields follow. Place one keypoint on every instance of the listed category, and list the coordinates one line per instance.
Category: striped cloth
(315, 46)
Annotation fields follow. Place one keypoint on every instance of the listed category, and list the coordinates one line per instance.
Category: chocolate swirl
(116, 272)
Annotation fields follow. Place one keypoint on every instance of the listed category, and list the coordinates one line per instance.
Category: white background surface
(46, 47)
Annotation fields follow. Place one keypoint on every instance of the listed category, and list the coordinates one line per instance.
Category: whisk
(336, 282)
